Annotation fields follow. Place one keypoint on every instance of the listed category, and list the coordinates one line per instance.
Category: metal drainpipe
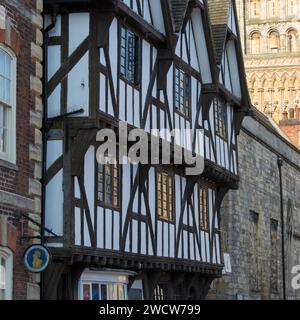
(44, 132)
(280, 165)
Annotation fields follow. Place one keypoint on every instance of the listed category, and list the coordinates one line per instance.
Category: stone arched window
(255, 42)
(273, 8)
(274, 42)
(292, 39)
(254, 8)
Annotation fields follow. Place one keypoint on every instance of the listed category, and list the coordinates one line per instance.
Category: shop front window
(103, 286)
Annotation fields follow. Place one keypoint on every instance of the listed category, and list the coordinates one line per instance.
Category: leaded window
(160, 292)
(203, 206)
(221, 118)
(129, 56)
(165, 196)
(109, 183)
(182, 92)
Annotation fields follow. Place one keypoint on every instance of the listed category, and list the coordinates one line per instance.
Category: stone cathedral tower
(270, 39)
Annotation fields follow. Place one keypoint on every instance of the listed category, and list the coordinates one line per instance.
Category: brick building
(251, 217)
(21, 57)
(291, 127)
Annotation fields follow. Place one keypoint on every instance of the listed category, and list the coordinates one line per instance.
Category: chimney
(297, 113)
(285, 115)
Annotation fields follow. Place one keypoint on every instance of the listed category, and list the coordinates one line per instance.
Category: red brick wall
(15, 179)
(8, 179)
(291, 128)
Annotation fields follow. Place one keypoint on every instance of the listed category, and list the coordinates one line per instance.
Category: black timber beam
(104, 258)
(118, 7)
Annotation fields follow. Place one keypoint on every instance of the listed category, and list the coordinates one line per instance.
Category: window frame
(168, 219)
(7, 255)
(202, 187)
(188, 114)
(103, 203)
(103, 278)
(223, 105)
(10, 155)
(160, 292)
(100, 285)
(137, 56)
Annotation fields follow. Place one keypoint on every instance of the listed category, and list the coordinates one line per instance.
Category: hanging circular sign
(37, 258)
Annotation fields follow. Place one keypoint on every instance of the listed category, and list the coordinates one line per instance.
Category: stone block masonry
(251, 218)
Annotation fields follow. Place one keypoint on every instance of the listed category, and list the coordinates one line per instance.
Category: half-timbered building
(138, 231)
